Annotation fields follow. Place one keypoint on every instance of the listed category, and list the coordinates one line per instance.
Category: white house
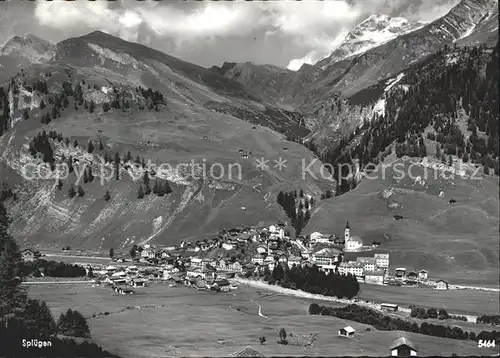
(346, 331)
(261, 250)
(381, 260)
(326, 259)
(196, 262)
(258, 259)
(423, 274)
(403, 347)
(367, 262)
(352, 243)
(442, 285)
(235, 266)
(270, 262)
(110, 270)
(351, 267)
(227, 246)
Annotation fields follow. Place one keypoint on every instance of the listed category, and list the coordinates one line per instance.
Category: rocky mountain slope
(486, 32)
(124, 98)
(374, 31)
(28, 47)
(313, 84)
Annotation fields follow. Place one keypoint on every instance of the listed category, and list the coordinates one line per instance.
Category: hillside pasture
(454, 241)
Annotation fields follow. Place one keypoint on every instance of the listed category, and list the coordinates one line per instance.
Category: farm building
(400, 272)
(442, 285)
(222, 285)
(247, 352)
(423, 274)
(402, 347)
(412, 275)
(389, 307)
(139, 282)
(346, 332)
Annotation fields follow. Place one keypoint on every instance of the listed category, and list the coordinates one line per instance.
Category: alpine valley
(394, 91)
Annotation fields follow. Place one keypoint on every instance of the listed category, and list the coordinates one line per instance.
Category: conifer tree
(140, 193)
(12, 296)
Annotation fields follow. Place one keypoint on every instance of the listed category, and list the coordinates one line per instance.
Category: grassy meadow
(456, 242)
(469, 302)
(160, 321)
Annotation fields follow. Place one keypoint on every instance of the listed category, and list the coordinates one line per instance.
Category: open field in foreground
(471, 302)
(186, 322)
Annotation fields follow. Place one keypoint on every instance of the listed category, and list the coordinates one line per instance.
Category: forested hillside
(451, 98)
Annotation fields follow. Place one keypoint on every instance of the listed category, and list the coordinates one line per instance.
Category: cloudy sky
(281, 33)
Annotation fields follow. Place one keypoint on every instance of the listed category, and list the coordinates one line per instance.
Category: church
(352, 243)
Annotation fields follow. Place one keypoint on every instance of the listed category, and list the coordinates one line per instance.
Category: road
(53, 282)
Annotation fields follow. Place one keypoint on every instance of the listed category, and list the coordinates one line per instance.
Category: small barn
(400, 272)
(403, 347)
(222, 285)
(442, 285)
(423, 274)
(346, 332)
(389, 307)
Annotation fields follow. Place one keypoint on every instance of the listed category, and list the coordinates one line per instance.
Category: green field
(470, 302)
(186, 322)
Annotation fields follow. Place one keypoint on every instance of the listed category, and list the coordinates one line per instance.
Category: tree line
(422, 313)
(313, 280)
(387, 323)
(41, 146)
(298, 214)
(25, 318)
(52, 269)
(489, 319)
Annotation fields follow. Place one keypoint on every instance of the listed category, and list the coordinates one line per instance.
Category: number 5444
(486, 344)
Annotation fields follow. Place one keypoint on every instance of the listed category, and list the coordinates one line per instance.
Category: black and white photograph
(315, 178)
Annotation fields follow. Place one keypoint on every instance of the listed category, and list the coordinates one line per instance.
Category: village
(249, 251)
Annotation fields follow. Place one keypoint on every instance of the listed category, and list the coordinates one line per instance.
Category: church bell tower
(347, 232)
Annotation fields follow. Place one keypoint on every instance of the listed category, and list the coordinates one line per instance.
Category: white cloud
(306, 20)
(310, 58)
(322, 47)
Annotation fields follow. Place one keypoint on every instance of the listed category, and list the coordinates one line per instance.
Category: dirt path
(260, 310)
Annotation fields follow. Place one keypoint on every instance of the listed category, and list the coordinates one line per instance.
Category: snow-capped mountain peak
(375, 30)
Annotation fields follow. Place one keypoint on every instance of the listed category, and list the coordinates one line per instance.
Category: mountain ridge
(311, 84)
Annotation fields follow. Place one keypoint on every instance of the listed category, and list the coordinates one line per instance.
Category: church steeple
(347, 232)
